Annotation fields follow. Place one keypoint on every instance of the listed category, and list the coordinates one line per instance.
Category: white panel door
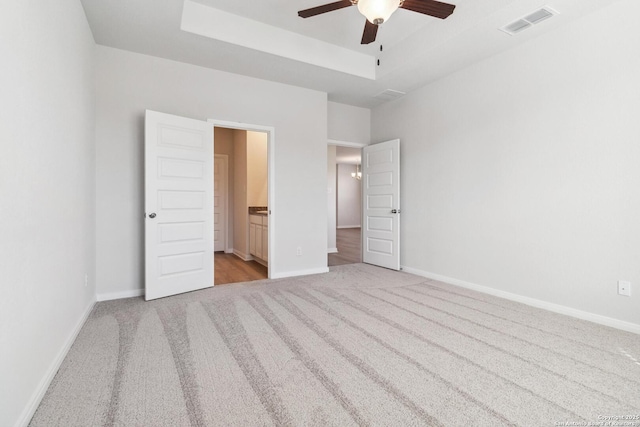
(220, 202)
(381, 204)
(178, 205)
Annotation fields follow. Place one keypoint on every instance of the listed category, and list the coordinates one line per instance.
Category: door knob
(395, 211)
(152, 215)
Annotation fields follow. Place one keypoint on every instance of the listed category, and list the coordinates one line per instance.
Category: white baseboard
(228, 251)
(300, 273)
(119, 295)
(556, 308)
(332, 250)
(39, 392)
(349, 226)
(242, 255)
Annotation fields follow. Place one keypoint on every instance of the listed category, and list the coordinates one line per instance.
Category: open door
(381, 204)
(178, 205)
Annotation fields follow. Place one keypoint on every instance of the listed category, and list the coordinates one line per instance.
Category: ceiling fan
(379, 11)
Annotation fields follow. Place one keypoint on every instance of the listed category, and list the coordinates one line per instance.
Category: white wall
(257, 171)
(348, 123)
(48, 200)
(128, 83)
(522, 172)
(349, 197)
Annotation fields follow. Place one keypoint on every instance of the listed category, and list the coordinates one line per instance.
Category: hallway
(349, 247)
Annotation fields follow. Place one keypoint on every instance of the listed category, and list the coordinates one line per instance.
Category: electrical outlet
(624, 288)
(299, 251)
(86, 280)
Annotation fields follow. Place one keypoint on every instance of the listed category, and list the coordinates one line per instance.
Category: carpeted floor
(360, 345)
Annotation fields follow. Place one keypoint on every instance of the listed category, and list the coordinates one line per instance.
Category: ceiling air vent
(389, 94)
(539, 15)
(528, 21)
(516, 27)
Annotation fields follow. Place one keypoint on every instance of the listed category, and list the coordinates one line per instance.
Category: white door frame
(271, 143)
(346, 143)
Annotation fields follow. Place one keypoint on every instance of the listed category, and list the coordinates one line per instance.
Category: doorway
(345, 205)
(241, 205)
(379, 231)
(179, 203)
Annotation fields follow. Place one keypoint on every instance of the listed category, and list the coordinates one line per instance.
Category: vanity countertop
(258, 210)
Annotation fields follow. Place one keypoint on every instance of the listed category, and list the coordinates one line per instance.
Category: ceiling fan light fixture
(378, 11)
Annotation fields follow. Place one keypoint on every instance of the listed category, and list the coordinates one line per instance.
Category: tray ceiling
(266, 39)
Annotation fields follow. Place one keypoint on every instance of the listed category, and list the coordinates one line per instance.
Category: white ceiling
(266, 39)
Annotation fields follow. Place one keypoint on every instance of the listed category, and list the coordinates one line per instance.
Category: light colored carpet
(360, 345)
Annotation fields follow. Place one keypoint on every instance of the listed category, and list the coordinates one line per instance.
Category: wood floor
(348, 243)
(231, 269)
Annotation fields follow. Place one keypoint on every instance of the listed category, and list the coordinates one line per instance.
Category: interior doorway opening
(241, 204)
(345, 204)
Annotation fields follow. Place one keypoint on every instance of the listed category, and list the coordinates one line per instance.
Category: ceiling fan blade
(324, 8)
(429, 7)
(369, 34)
